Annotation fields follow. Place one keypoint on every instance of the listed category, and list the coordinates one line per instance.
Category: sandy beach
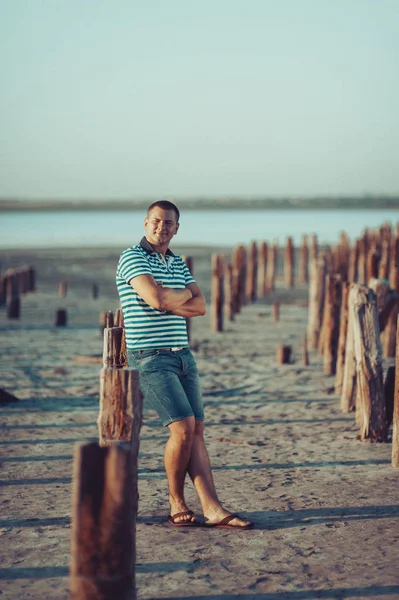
(325, 505)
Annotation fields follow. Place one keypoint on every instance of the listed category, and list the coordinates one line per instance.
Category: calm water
(216, 227)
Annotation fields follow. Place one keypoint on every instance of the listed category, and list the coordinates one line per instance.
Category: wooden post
(235, 280)
(314, 248)
(304, 261)
(372, 263)
(252, 272)
(276, 311)
(343, 330)
(242, 276)
(114, 355)
(331, 326)
(362, 261)
(283, 354)
(272, 267)
(228, 293)
(389, 393)
(94, 291)
(61, 317)
(305, 353)
(217, 293)
(316, 299)
(289, 264)
(109, 319)
(118, 318)
(120, 405)
(14, 308)
(189, 264)
(349, 382)
(395, 420)
(353, 260)
(32, 279)
(63, 289)
(103, 540)
(262, 270)
(383, 271)
(3, 285)
(368, 354)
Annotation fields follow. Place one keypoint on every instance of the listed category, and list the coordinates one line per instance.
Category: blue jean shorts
(170, 382)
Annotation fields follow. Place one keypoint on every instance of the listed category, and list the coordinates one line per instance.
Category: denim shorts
(170, 382)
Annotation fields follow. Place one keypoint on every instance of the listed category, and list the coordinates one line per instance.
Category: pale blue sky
(173, 98)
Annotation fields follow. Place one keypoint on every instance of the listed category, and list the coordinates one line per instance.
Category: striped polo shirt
(145, 326)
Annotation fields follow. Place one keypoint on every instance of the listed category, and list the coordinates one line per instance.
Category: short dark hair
(166, 205)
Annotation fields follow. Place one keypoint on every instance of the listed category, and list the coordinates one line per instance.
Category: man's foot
(180, 513)
(177, 519)
(227, 520)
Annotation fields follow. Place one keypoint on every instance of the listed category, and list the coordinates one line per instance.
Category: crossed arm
(188, 302)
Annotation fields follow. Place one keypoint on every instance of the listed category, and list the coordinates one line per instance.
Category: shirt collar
(145, 244)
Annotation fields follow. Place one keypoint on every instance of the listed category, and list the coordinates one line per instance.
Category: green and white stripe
(147, 327)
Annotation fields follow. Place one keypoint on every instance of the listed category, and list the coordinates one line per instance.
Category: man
(157, 292)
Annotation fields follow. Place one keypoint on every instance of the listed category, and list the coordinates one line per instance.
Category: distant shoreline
(342, 203)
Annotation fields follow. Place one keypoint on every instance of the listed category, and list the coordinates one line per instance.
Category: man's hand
(195, 307)
(160, 297)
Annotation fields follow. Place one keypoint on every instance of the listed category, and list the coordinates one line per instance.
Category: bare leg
(199, 469)
(177, 456)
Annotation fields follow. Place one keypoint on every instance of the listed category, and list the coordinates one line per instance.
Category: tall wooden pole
(252, 272)
(316, 300)
(368, 354)
(228, 293)
(103, 541)
(262, 270)
(343, 330)
(331, 331)
(217, 285)
(395, 420)
(304, 261)
(289, 264)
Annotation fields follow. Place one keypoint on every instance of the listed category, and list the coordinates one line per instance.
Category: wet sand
(325, 505)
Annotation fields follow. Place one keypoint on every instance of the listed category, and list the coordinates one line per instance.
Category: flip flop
(225, 523)
(171, 519)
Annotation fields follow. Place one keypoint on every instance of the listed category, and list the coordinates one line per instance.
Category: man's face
(160, 226)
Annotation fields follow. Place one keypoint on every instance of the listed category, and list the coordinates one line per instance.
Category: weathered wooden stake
(14, 308)
(103, 541)
(395, 420)
(252, 272)
(368, 354)
(316, 299)
(276, 311)
(228, 293)
(118, 318)
(304, 261)
(332, 321)
(63, 289)
(114, 354)
(349, 381)
(283, 354)
(217, 293)
(272, 267)
(262, 270)
(120, 405)
(305, 353)
(61, 317)
(289, 264)
(389, 393)
(343, 330)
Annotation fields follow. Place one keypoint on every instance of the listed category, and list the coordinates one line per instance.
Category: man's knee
(199, 428)
(183, 430)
